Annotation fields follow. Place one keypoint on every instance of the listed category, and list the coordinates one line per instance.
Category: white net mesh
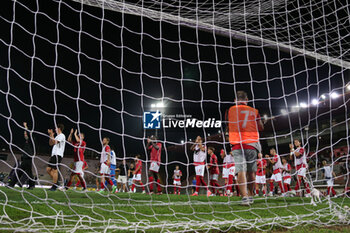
(106, 68)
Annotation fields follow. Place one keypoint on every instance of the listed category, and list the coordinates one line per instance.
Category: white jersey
(328, 172)
(104, 154)
(199, 156)
(228, 161)
(177, 174)
(301, 160)
(113, 158)
(58, 149)
(278, 163)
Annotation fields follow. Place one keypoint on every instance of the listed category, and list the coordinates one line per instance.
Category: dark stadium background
(275, 80)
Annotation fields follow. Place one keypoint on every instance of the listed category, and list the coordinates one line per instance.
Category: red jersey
(137, 166)
(214, 168)
(84, 165)
(261, 163)
(155, 154)
(79, 148)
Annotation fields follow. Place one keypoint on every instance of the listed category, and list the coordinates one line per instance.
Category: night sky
(101, 76)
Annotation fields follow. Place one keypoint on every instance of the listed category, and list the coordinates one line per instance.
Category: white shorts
(199, 170)
(302, 172)
(104, 169)
(260, 179)
(121, 179)
(287, 181)
(137, 177)
(224, 173)
(177, 182)
(78, 167)
(214, 177)
(330, 182)
(154, 167)
(276, 177)
(232, 171)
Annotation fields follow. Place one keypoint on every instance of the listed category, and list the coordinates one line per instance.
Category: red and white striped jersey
(177, 175)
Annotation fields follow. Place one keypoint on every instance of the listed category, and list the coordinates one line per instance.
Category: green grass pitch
(44, 211)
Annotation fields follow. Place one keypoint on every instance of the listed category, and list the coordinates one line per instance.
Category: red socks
(271, 186)
(281, 186)
(150, 180)
(158, 185)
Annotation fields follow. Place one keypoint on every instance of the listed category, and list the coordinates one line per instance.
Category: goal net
(149, 78)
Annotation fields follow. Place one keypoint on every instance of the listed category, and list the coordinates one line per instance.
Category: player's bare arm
(69, 139)
(52, 140)
(77, 138)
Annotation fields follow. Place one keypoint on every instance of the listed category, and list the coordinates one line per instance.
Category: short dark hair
(60, 126)
(137, 156)
(107, 138)
(241, 95)
(212, 149)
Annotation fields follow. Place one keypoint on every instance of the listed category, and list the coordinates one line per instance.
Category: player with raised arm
(58, 143)
(105, 162)
(328, 175)
(199, 157)
(300, 163)
(137, 175)
(244, 124)
(213, 171)
(261, 175)
(25, 168)
(275, 160)
(177, 180)
(79, 147)
(286, 170)
(155, 150)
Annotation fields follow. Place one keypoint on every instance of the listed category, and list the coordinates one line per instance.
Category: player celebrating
(177, 180)
(261, 175)
(329, 176)
(228, 172)
(58, 143)
(105, 162)
(155, 149)
(199, 158)
(79, 148)
(214, 171)
(300, 165)
(286, 169)
(275, 160)
(137, 175)
(244, 124)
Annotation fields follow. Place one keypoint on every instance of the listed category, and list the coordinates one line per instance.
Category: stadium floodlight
(295, 108)
(182, 141)
(265, 117)
(334, 95)
(323, 96)
(284, 112)
(303, 105)
(348, 87)
(315, 102)
(219, 131)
